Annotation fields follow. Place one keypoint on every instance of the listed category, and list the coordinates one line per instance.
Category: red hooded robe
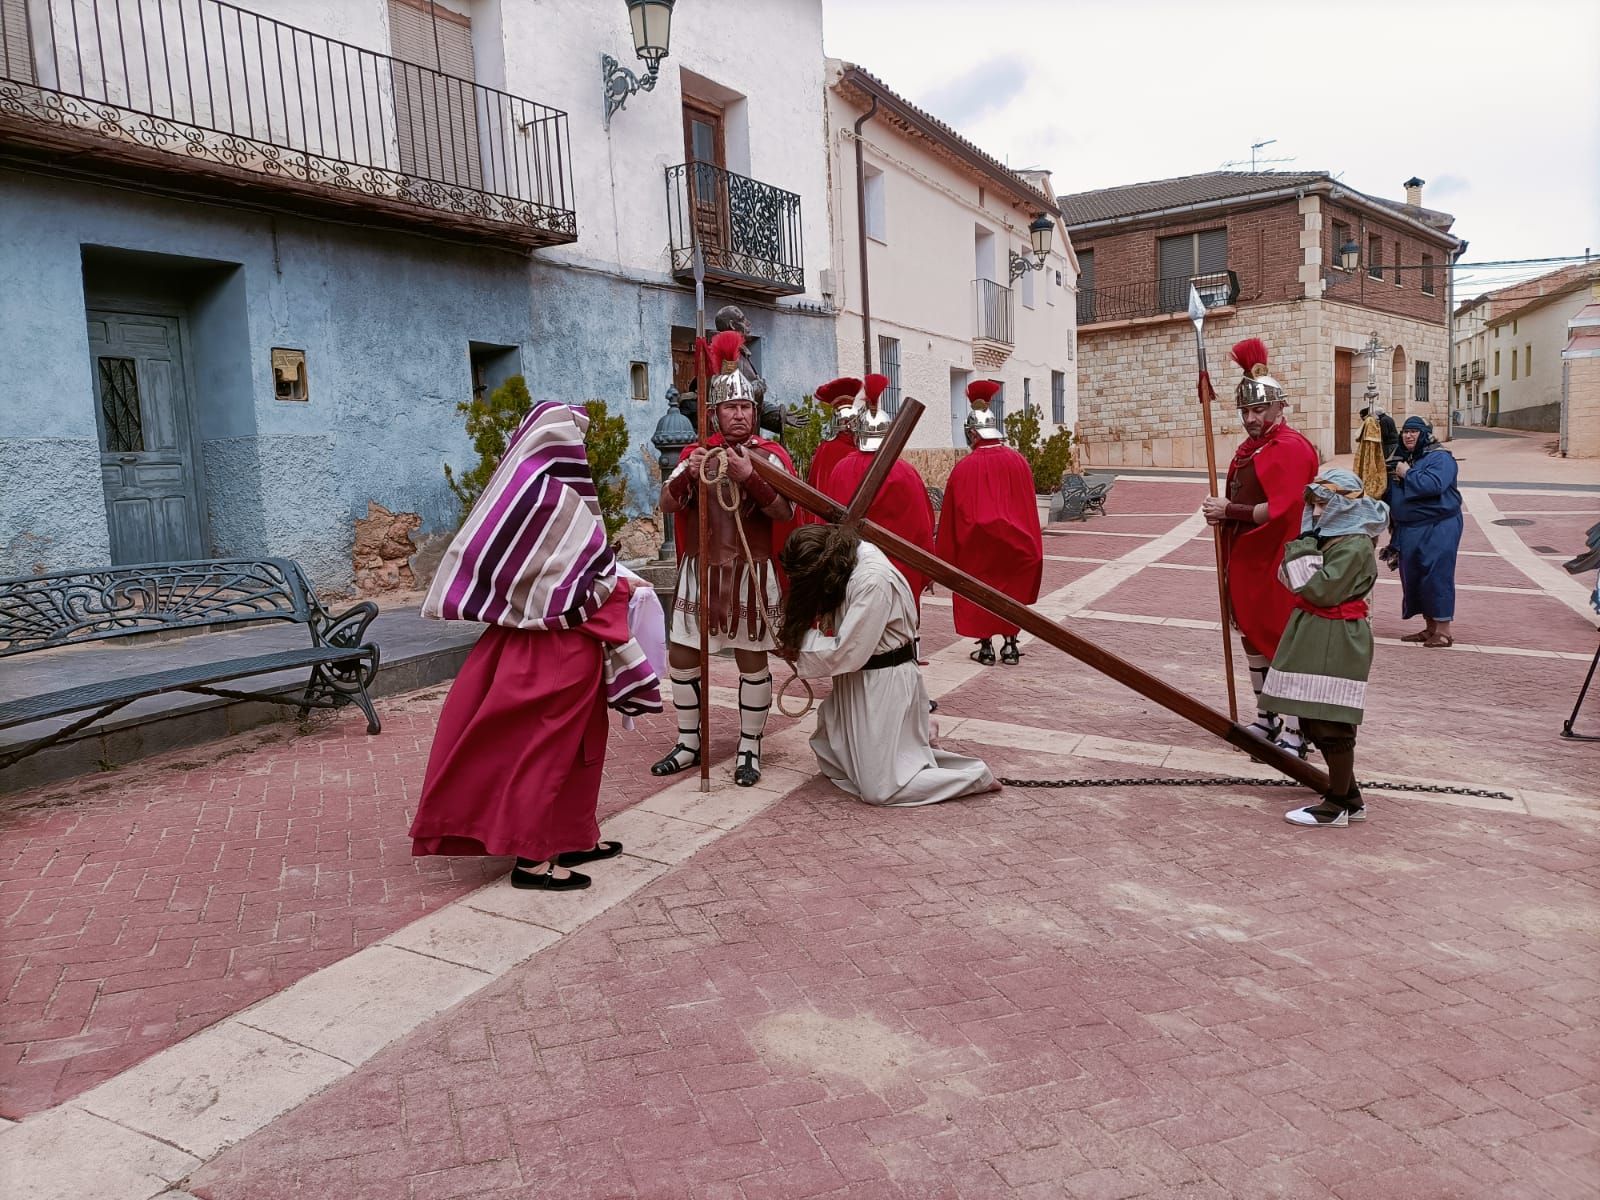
(989, 528)
(1284, 463)
(901, 506)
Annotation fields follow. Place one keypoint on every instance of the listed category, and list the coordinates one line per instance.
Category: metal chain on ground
(1377, 785)
(720, 484)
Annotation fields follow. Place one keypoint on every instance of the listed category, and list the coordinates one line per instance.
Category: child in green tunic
(1325, 655)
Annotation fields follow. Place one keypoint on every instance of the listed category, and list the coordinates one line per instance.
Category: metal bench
(936, 498)
(42, 612)
(1080, 496)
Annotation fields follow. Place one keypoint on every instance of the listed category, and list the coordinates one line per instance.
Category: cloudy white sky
(1496, 105)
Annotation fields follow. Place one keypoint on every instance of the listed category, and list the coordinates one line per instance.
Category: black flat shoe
(672, 764)
(576, 858)
(545, 881)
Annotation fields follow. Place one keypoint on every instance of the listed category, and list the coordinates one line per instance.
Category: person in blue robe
(1426, 509)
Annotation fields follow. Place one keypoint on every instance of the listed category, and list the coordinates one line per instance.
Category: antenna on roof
(1255, 156)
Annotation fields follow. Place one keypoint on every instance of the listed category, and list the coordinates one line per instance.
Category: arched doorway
(1397, 385)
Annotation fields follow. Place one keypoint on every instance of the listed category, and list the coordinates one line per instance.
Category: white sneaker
(1316, 820)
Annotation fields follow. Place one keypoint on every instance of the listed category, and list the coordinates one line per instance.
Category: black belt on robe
(893, 658)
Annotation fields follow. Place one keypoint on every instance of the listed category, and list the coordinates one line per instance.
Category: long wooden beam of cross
(1007, 609)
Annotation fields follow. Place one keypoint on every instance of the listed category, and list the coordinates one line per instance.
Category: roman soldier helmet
(871, 423)
(728, 384)
(1257, 387)
(840, 395)
(981, 423)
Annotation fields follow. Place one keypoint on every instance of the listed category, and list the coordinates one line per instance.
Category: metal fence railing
(748, 231)
(992, 311)
(210, 81)
(1153, 297)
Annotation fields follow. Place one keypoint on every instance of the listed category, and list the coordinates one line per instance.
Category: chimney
(1413, 188)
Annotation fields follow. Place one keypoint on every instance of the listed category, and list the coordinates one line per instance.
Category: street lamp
(1349, 255)
(651, 22)
(1040, 230)
(673, 432)
(1371, 350)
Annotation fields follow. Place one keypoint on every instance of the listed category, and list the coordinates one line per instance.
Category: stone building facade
(1264, 250)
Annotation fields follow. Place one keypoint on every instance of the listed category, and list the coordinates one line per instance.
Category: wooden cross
(1004, 607)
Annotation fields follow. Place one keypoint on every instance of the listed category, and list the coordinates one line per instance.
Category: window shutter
(1212, 251)
(16, 52)
(436, 118)
(1175, 257)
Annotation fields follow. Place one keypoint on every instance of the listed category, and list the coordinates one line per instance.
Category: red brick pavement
(1040, 994)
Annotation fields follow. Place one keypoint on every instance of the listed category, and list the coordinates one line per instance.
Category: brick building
(1264, 250)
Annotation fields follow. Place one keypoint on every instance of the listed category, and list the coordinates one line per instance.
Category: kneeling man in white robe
(850, 615)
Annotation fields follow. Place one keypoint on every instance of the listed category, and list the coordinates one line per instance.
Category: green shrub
(801, 442)
(493, 419)
(1048, 461)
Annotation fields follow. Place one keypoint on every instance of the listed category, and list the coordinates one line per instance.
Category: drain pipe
(861, 241)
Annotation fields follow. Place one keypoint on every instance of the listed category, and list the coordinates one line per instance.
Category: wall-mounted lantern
(651, 22)
(1040, 230)
(1349, 255)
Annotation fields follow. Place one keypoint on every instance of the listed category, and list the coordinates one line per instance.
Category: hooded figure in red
(901, 505)
(989, 527)
(1259, 516)
(840, 395)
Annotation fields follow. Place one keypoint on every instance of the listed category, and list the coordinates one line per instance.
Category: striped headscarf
(533, 552)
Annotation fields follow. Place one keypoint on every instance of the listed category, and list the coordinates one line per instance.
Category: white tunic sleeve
(868, 607)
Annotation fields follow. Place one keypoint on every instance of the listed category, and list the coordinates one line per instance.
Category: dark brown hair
(818, 560)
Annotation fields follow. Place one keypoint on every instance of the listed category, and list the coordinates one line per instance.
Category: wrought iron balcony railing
(992, 309)
(1155, 297)
(749, 232)
(204, 90)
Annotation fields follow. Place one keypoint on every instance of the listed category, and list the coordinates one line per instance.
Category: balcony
(992, 312)
(201, 97)
(749, 232)
(1155, 297)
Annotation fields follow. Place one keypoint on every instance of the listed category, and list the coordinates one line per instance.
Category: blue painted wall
(385, 321)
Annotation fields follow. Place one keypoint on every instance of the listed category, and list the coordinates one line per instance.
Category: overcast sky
(1495, 105)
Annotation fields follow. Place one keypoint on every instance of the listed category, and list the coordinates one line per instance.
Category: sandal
(546, 880)
(671, 764)
(748, 772)
(576, 858)
(1440, 641)
(984, 654)
(1421, 635)
(1010, 654)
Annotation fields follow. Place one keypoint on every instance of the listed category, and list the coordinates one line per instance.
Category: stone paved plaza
(223, 975)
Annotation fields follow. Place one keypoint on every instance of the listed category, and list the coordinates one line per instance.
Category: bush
(606, 443)
(802, 441)
(492, 420)
(1048, 461)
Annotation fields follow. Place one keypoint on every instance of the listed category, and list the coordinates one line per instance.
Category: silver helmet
(981, 426)
(871, 425)
(1257, 389)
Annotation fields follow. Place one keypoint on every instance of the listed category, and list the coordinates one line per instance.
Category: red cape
(901, 506)
(989, 528)
(1284, 464)
(822, 464)
(780, 529)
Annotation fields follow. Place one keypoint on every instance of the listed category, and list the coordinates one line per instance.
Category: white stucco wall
(922, 273)
(1544, 331)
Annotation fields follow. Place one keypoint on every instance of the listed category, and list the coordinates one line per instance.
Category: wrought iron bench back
(63, 609)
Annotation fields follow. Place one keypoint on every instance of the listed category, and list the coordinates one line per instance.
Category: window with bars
(889, 363)
(119, 405)
(1058, 397)
(1422, 383)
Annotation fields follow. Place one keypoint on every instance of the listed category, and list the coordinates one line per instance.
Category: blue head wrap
(1424, 441)
(1348, 508)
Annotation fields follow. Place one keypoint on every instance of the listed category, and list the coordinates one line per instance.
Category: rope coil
(722, 486)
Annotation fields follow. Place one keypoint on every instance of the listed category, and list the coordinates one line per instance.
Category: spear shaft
(1197, 314)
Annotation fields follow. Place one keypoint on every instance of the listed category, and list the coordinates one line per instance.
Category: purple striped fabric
(533, 552)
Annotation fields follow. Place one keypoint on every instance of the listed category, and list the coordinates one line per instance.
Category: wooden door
(683, 377)
(147, 459)
(1343, 362)
(705, 150)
